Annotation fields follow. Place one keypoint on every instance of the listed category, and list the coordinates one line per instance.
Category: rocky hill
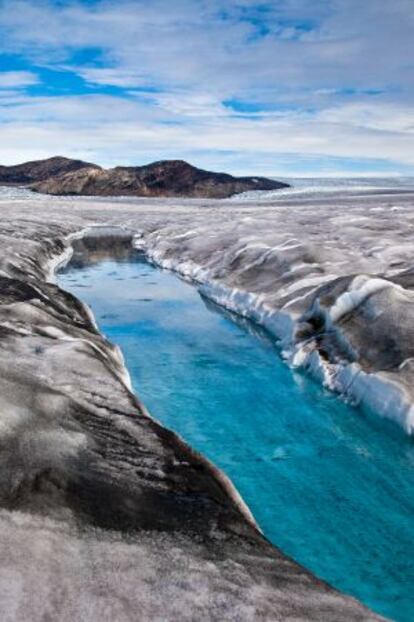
(168, 178)
(40, 170)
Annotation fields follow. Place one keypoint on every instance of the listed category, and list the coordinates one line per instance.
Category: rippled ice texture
(303, 187)
(330, 486)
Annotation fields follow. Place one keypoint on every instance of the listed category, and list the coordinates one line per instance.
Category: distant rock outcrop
(40, 170)
(168, 178)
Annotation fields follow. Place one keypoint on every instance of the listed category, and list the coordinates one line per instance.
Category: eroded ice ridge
(334, 285)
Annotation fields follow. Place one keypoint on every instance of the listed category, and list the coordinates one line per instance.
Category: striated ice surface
(325, 266)
(308, 188)
(313, 268)
(82, 464)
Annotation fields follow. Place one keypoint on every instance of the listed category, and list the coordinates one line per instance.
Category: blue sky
(282, 87)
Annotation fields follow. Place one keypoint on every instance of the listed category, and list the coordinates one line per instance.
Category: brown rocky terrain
(168, 178)
(39, 170)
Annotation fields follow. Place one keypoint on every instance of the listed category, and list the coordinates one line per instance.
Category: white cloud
(188, 42)
(115, 131)
(112, 77)
(191, 104)
(309, 65)
(17, 79)
(383, 117)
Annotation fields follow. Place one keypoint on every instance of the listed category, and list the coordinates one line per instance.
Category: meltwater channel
(331, 487)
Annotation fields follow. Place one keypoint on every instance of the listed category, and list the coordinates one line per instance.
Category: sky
(280, 87)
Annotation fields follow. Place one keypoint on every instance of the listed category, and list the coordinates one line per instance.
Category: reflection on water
(331, 487)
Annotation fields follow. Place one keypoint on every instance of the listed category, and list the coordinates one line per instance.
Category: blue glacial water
(330, 486)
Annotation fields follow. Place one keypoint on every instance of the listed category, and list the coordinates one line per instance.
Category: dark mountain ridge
(40, 170)
(166, 178)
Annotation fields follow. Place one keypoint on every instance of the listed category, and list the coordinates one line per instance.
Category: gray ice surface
(104, 514)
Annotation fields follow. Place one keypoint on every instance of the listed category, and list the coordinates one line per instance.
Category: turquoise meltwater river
(330, 486)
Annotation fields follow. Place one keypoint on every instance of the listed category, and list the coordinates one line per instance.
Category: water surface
(331, 487)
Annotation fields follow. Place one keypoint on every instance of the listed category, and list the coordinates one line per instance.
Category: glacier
(96, 498)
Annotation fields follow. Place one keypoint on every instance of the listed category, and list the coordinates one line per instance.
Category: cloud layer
(266, 87)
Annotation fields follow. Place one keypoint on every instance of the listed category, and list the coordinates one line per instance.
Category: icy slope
(333, 284)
